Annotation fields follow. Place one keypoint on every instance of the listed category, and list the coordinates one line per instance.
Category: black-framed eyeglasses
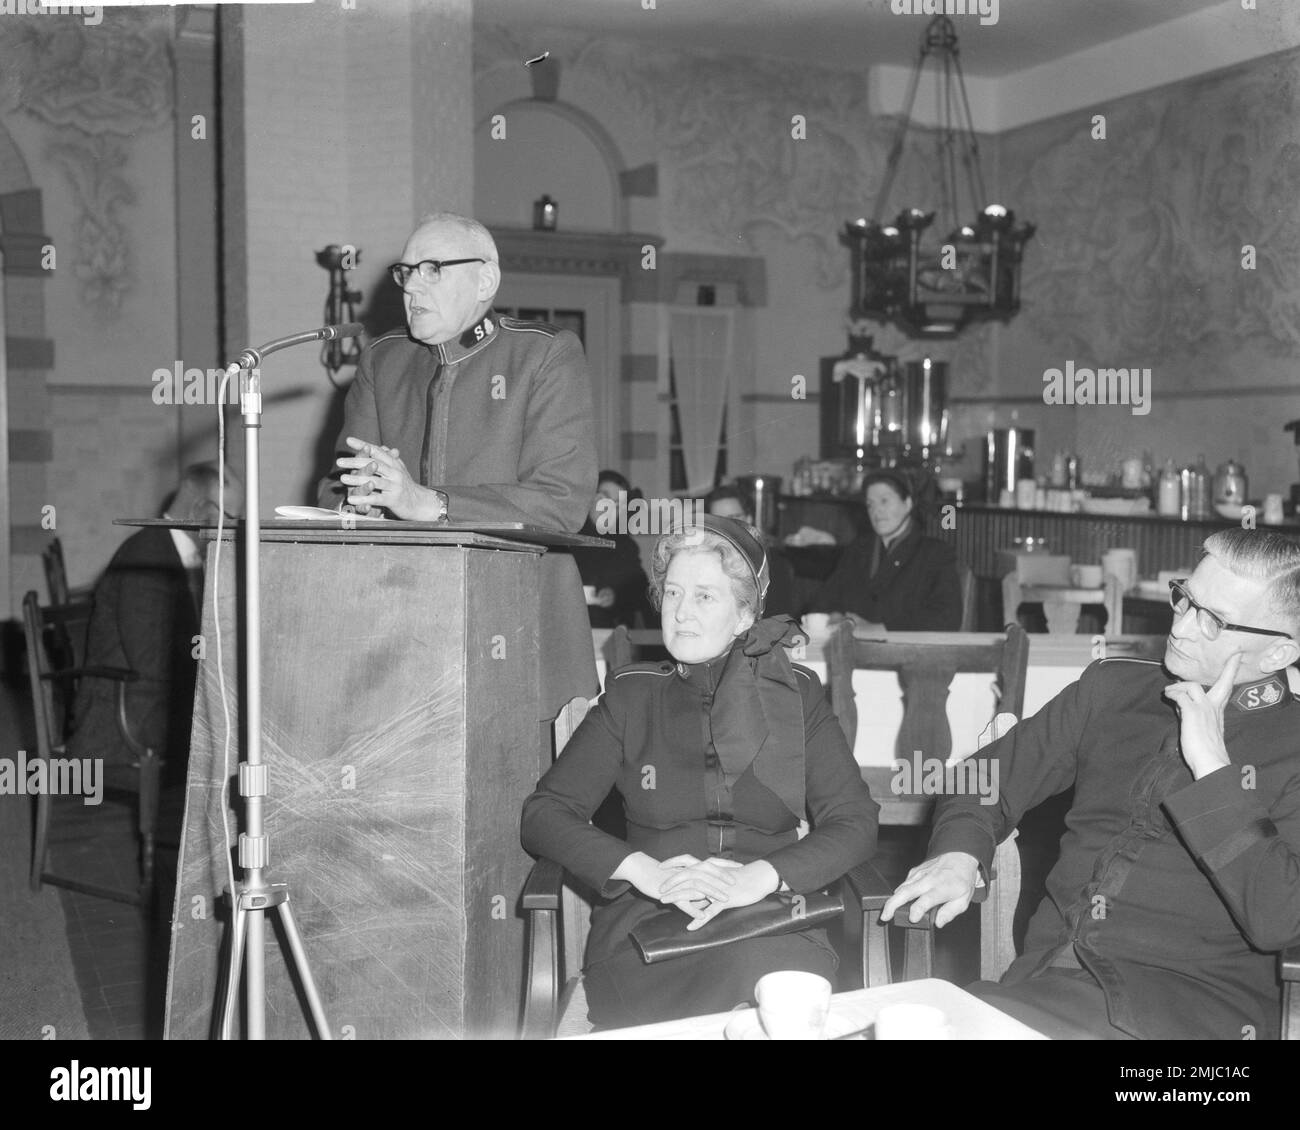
(430, 270)
(1210, 623)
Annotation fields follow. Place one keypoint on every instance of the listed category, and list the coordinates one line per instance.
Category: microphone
(252, 358)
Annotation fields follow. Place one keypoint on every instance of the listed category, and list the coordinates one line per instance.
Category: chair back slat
(966, 581)
(55, 642)
(56, 573)
(925, 673)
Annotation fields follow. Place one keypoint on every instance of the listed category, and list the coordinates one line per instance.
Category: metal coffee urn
(1008, 457)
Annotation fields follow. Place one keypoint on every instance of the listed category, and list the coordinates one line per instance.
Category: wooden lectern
(400, 702)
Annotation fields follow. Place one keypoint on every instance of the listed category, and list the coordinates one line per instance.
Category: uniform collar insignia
(1261, 695)
(471, 340)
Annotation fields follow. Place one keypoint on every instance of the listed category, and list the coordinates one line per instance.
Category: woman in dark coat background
(718, 758)
(895, 575)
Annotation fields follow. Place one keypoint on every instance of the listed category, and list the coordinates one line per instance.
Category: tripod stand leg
(299, 954)
(232, 975)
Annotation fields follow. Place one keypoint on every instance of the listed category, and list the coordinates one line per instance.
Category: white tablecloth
(969, 1018)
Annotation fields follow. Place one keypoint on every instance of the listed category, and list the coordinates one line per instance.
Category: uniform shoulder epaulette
(522, 326)
(663, 667)
(809, 675)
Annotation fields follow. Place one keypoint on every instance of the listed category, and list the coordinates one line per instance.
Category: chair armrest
(121, 674)
(927, 922)
(868, 887)
(1290, 963)
(542, 888)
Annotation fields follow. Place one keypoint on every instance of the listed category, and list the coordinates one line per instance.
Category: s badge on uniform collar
(1260, 696)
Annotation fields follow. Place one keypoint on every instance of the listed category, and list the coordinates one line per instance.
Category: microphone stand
(254, 895)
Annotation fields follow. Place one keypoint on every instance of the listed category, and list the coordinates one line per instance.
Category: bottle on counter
(1196, 491)
(1169, 492)
(1058, 479)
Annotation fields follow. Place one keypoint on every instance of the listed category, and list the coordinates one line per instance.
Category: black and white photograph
(651, 520)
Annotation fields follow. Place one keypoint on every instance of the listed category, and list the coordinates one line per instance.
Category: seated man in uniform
(475, 418)
(1179, 875)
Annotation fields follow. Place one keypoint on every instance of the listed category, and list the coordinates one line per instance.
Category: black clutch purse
(664, 935)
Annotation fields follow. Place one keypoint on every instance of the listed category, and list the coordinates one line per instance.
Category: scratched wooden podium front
(400, 706)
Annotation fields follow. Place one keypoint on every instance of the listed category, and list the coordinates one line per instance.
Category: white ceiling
(850, 32)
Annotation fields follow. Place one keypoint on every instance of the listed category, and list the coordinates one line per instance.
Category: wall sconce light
(340, 305)
(544, 214)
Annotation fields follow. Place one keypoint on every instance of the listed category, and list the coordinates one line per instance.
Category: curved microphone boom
(252, 358)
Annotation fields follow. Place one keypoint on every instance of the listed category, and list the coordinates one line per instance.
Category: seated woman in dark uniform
(718, 758)
(896, 575)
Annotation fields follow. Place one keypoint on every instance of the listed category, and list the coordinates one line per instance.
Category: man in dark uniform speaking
(473, 417)
(1179, 876)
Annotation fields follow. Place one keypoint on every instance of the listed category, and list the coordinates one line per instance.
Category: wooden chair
(1063, 605)
(53, 682)
(969, 611)
(925, 671)
(635, 645)
(558, 917)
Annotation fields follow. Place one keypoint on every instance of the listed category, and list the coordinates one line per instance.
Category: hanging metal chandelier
(936, 289)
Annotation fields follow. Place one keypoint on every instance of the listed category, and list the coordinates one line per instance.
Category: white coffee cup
(816, 623)
(793, 1005)
(912, 1022)
(589, 591)
(1121, 563)
(1086, 576)
(1273, 515)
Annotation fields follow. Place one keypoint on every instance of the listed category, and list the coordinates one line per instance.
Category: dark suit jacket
(916, 588)
(144, 618)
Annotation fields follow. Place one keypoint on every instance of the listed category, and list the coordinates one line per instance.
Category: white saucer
(747, 1026)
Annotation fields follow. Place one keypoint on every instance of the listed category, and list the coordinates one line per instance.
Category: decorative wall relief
(95, 88)
(1141, 234)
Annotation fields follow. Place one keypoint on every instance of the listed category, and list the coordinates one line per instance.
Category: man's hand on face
(377, 478)
(1200, 719)
(946, 881)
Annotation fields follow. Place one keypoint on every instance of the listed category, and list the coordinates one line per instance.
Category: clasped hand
(703, 889)
(377, 477)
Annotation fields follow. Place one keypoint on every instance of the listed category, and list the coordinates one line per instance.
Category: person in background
(616, 574)
(718, 757)
(728, 502)
(895, 576)
(146, 612)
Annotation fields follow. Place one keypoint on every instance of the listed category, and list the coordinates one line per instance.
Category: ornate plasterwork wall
(94, 88)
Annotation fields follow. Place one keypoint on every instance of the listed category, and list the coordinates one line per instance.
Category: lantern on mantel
(544, 214)
(929, 288)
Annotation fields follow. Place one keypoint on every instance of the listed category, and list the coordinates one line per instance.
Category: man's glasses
(430, 270)
(1210, 623)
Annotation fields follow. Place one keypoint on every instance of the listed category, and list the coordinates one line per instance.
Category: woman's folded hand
(749, 883)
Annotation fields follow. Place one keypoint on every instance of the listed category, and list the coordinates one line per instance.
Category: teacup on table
(1086, 576)
(589, 591)
(816, 623)
(793, 1005)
